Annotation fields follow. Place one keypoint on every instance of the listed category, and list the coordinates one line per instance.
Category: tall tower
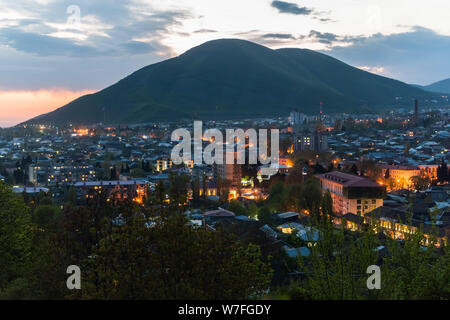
(321, 111)
(416, 110)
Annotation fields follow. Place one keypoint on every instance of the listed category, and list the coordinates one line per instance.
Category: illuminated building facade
(163, 165)
(429, 171)
(117, 190)
(400, 174)
(352, 193)
(229, 172)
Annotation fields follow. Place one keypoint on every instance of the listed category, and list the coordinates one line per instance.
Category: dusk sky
(52, 51)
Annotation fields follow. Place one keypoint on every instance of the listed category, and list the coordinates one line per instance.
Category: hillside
(439, 87)
(234, 79)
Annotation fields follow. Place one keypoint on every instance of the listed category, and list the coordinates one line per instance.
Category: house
(119, 190)
(30, 190)
(221, 213)
(296, 252)
(351, 193)
(397, 224)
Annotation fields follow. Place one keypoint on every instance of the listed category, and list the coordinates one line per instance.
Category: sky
(52, 51)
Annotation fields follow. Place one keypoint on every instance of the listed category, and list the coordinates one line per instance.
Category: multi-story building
(352, 194)
(231, 173)
(429, 171)
(163, 165)
(135, 189)
(401, 174)
(309, 134)
(311, 142)
(57, 173)
(296, 118)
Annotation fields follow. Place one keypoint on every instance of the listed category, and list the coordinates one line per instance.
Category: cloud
(205, 31)
(377, 70)
(278, 36)
(43, 45)
(291, 8)
(326, 38)
(127, 27)
(419, 55)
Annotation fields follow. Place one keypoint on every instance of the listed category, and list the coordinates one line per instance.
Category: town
(376, 167)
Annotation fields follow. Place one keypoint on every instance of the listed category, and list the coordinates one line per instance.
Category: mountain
(439, 87)
(232, 78)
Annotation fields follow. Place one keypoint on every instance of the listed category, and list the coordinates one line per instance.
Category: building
(316, 142)
(135, 189)
(396, 224)
(57, 173)
(352, 193)
(429, 171)
(296, 118)
(163, 165)
(30, 190)
(401, 174)
(231, 173)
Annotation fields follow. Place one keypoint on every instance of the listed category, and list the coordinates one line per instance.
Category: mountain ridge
(231, 78)
(442, 86)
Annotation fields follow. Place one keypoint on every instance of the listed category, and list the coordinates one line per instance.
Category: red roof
(348, 180)
(219, 213)
(395, 167)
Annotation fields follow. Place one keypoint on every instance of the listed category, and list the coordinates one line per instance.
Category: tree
(71, 196)
(160, 192)
(442, 172)
(113, 173)
(138, 173)
(327, 204)
(196, 189)
(311, 196)
(420, 183)
(277, 196)
(172, 260)
(46, 215)
(237, 207)
(354, 169)
(336, 267)
(16, 233)
(178, 190)
(264, 216)
(407, 148)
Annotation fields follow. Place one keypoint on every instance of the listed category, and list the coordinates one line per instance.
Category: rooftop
(348, 180)
(108, 183)
(395, 167)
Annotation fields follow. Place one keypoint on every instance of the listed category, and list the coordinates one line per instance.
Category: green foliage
(327, 204)
(171, 260)
(337, 268)
(138, 173)
(46, 215)
(238, 208)
(16, 233)
(420, 183)
(264, 216)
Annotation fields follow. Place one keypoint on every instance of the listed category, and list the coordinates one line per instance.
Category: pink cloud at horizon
(18, 106)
